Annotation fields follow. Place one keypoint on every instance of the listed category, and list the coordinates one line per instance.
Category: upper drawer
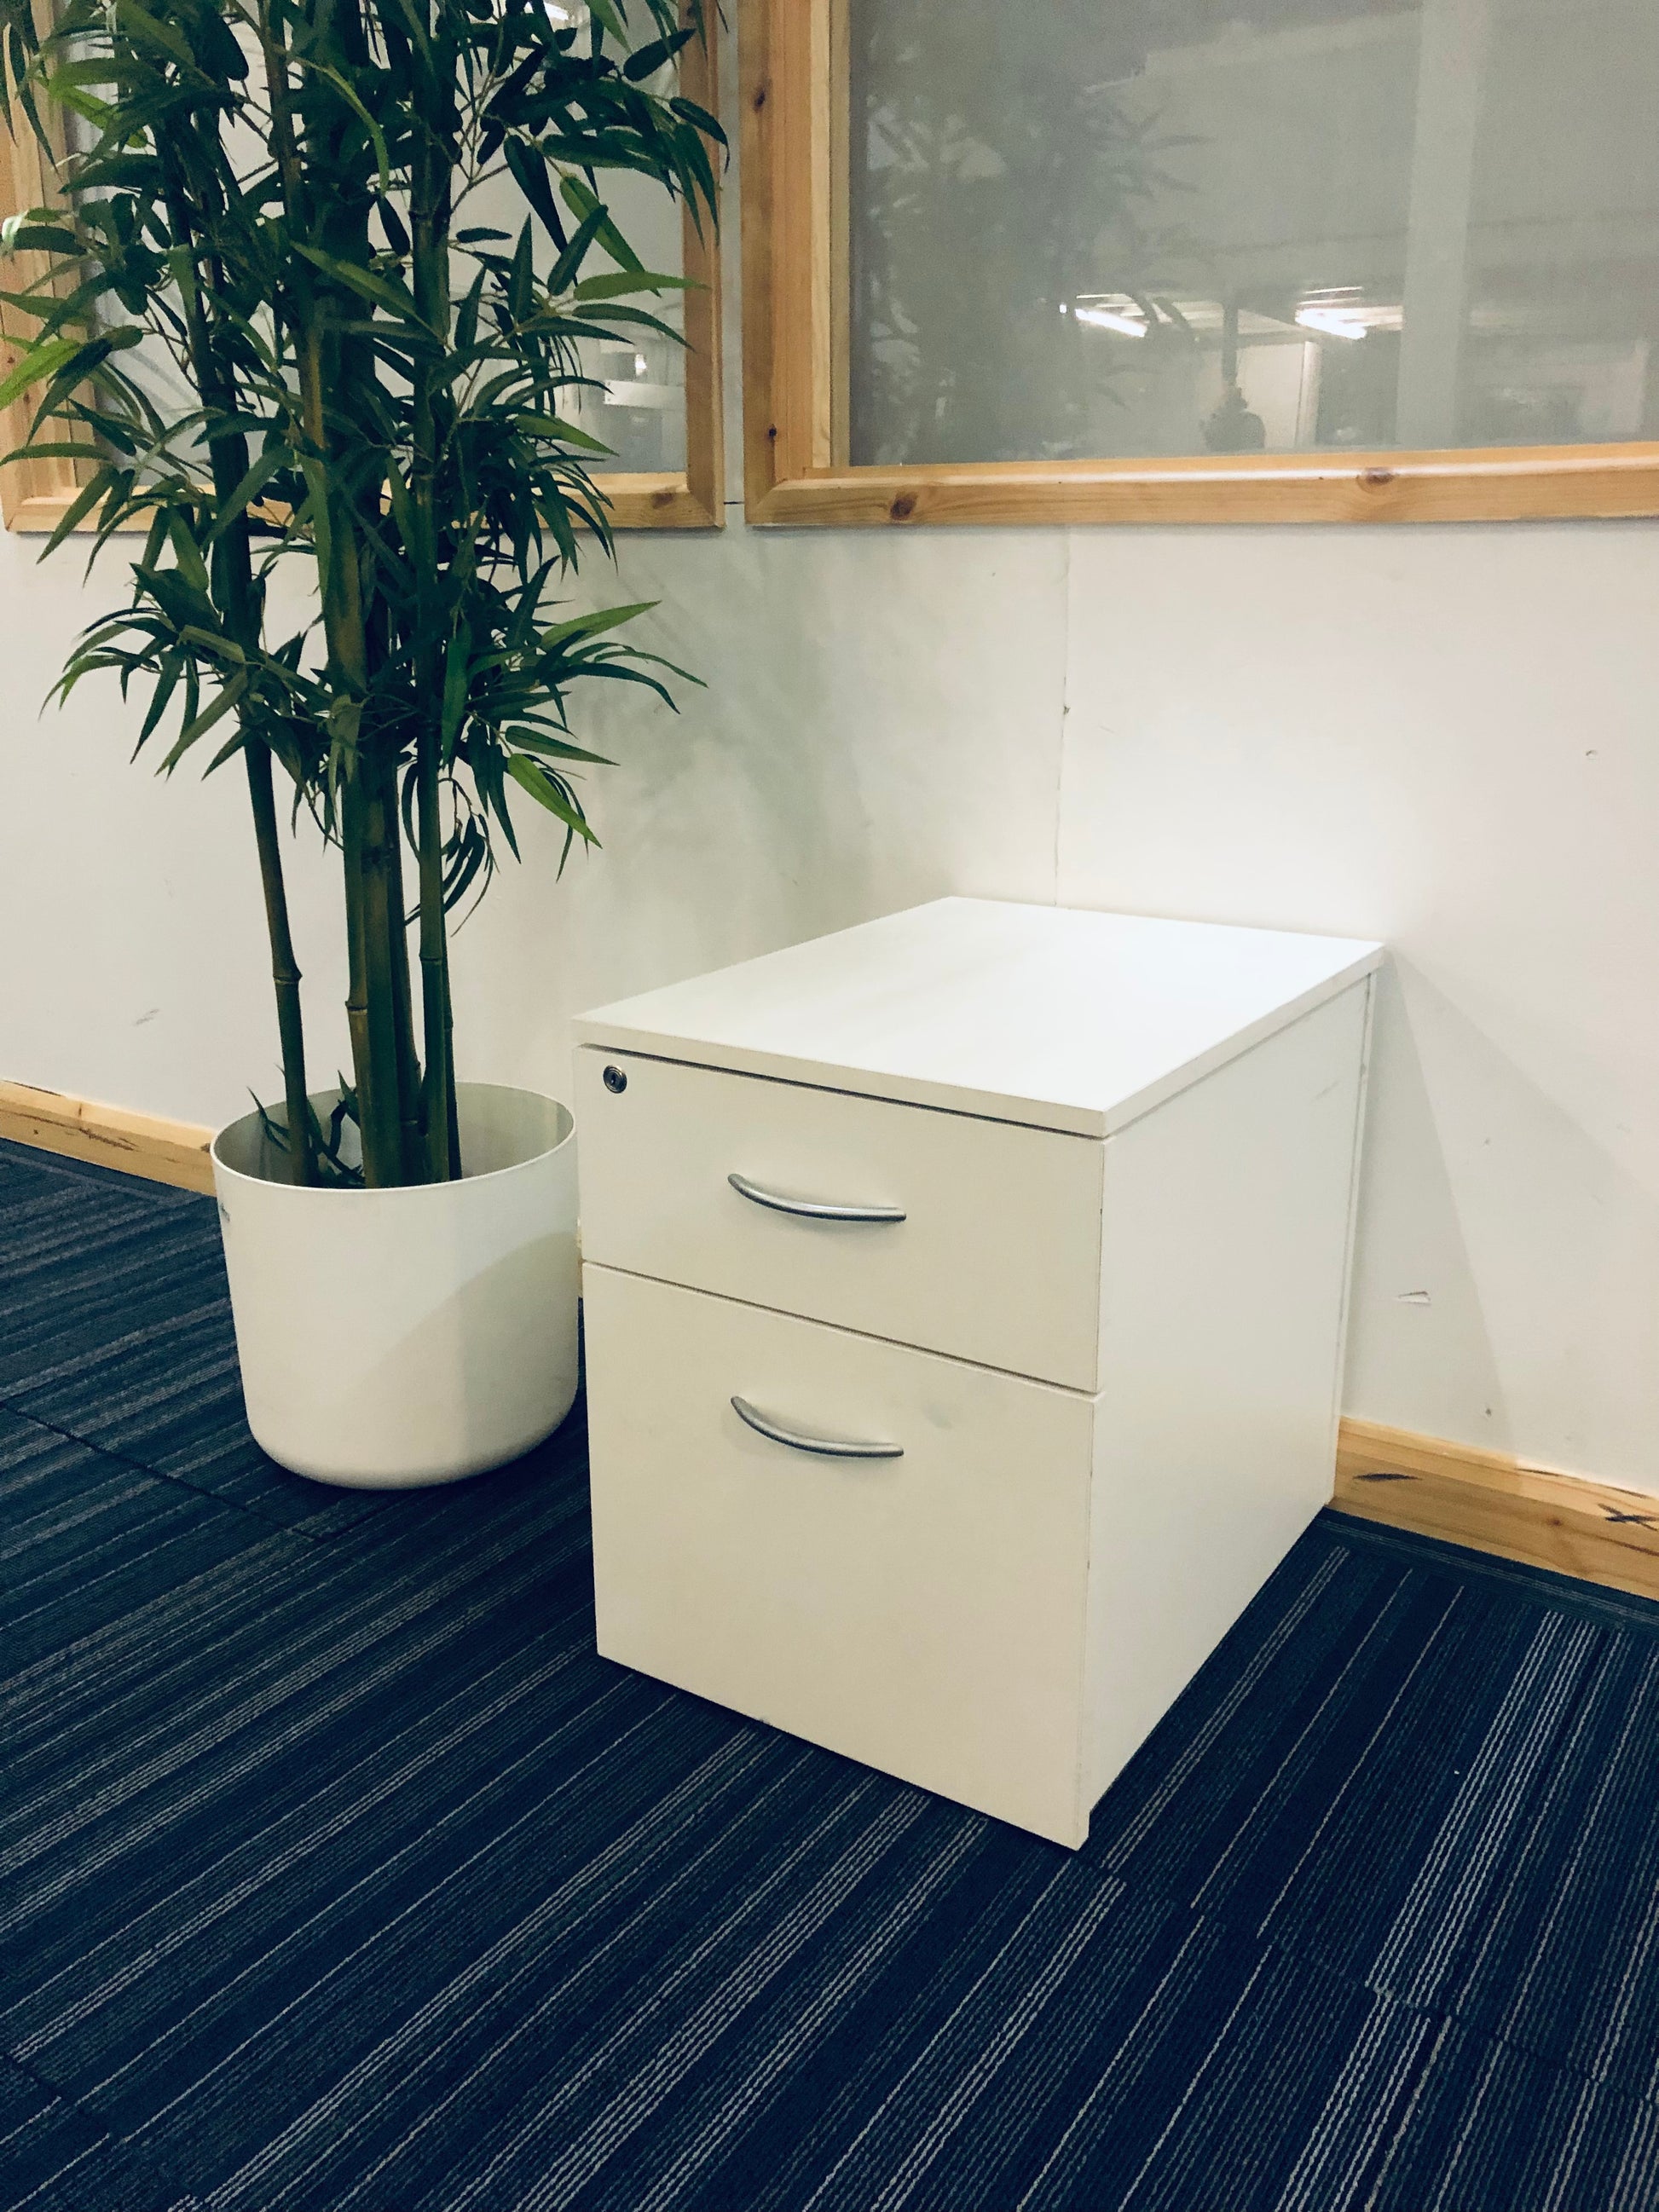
(996, 1259)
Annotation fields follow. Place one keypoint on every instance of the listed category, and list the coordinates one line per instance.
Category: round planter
(392, 1338)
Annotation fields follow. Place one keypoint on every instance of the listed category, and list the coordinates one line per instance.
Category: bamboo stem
(356, 1004)
(363, 826)
(451, 1108)
(381, 919)
(410, 1117)
(284, 969)
(234, 595)
(428, 219)
(377, 1009)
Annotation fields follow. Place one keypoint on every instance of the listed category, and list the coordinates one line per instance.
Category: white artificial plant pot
(391, 1338)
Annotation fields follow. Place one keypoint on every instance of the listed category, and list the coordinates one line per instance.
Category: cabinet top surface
(1054, 1016)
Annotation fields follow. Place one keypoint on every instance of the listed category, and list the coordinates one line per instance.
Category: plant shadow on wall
(272, 194)
(1009, 192)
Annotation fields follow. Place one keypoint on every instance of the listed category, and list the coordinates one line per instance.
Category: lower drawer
(922, 1612)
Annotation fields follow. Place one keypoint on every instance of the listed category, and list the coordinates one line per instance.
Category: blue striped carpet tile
(55, 2159)
(82, 1253)
(194, 1721)
(345, 1873)
(115, 1324)
(1397, 1776)
(85, 1538)
(586, 1941)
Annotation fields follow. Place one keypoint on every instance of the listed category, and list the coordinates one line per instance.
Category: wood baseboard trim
(146, 1145)
(1491, 1503)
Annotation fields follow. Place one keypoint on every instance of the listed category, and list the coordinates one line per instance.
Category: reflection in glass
(1099, 227)
(636, 403)
(634, 399)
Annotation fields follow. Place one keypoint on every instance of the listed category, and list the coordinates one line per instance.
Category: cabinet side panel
(1225, 1252)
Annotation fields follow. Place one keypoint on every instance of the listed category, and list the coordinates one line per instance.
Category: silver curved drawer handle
(824, 1446)
(812, 1209)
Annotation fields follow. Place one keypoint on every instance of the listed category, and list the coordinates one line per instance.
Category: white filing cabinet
(964, 1304)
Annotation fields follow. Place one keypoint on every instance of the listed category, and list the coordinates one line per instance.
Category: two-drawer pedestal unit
(965, 1301)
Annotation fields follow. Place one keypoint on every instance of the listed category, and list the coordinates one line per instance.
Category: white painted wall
(1448, 739)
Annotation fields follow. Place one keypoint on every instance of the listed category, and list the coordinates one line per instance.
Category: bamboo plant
(275, 200)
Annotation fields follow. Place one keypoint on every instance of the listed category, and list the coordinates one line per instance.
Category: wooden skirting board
(1457, 1491)
(139, 1143)
(1495, 1503)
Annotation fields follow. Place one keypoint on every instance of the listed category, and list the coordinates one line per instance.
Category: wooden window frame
(35, 495)
(792, 56)
(692, 498)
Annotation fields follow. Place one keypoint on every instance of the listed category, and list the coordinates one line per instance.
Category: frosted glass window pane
(639, 413)
(1089, 228)
(636, 402)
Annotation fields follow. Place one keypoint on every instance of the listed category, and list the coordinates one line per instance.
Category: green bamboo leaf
(582, 201)
(80, 506)
(213, 642)
(376, 135)
(590, 625)
(201, 724)
(403, 507)
(617, 285)
(52, 449)
(143, 27)
(232, 509)
(529, 167)
(186, 553)
(646, 61)
(384, 291)
(520, 283)
(554, 426)
(26, 233)
(533, 777)
(699, 118)
(456, 673)
(228, 751)
(38, 363)
(166, 683)
(603, 12)
(556, 748)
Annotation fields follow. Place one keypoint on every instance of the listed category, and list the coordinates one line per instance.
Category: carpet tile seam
(834, 1993)
(1529, 1585)
(271, 2021)
(855, 1794)
(1116, 1891)
(275, 1696)
(162, 1543)
(177, 2199)
(1205, 1738)
(1464, 1811)
(967, 2089)
(1427, 2017)
(847, 1871)
(1351, 1778)
(359, 1607)
(726, 1755)
(1305, 1743)
(1500, 1982)
(342, 1562)
(378, 1935)
(909, 1901)
(8, 1404)
(272, 1867)
(464, 1568)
